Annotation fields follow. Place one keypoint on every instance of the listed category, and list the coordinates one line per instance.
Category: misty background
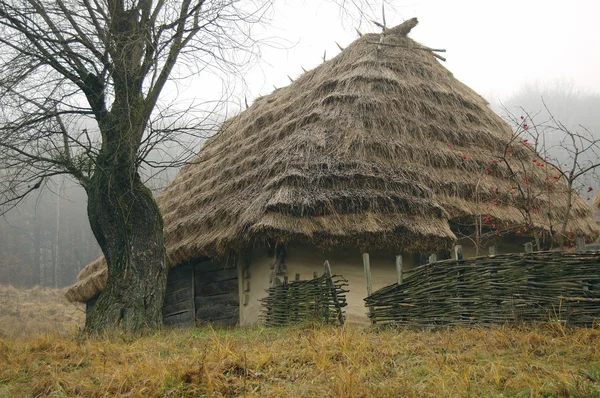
(513, 53)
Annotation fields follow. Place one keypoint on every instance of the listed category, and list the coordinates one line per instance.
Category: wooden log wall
(178, 307)
(216, 295)
(205, 291)
(539, 286)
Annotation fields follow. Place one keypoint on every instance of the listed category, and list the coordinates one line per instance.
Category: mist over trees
(575, 109)
(47, 240)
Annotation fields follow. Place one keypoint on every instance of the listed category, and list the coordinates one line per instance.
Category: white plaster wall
(258, 275)
(506, 245)
(305, 259)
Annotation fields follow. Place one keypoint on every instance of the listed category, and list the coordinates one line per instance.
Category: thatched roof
(90, 281)
(379, 147)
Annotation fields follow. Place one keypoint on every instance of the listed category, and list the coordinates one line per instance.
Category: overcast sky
(495, 47)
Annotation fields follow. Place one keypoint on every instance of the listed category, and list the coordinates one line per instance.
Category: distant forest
(47, 240)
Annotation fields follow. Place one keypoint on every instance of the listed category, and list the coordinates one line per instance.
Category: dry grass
(37, 310)
(548, 360)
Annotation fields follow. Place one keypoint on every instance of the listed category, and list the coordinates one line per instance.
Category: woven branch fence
(541, 286)
(320, 299)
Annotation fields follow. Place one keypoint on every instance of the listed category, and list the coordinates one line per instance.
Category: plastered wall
(304, 260)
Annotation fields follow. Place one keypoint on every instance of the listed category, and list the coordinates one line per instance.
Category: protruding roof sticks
(433, 50)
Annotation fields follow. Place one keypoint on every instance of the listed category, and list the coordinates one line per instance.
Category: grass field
(37, 310)
(547, 360)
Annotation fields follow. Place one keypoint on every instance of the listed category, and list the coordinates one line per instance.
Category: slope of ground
(37, 310)
(547, 360)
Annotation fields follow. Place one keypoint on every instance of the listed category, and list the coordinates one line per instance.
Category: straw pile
(542, 286)
(377, 148)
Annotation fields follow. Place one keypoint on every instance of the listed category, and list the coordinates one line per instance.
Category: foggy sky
(495, 47)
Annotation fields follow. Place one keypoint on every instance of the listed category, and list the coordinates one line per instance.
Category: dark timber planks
(216, 293)
(178, 307)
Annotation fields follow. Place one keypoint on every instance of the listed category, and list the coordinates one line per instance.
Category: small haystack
(377, 148)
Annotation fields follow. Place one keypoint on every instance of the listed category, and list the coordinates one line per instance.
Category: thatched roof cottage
(379, 149)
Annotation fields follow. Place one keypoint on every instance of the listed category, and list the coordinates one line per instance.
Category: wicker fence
(541, 286)
(320, 299)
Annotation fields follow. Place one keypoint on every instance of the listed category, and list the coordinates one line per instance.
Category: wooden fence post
(296, 311)
(492, 250)
(432, 258)
(458, 253)
(528, 247)
(336, 302)
(399, 269)
(580, 244)
(367, 266)
(580, 247)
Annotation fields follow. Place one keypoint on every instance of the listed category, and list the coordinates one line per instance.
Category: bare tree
(572, 157)
(80, 82)
(542, 159)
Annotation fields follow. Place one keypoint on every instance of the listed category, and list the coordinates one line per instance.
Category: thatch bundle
(378, 147)
(90, 281)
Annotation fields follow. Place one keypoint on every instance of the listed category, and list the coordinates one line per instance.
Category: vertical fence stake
(399, 269)
(492, 250)
(432, 258)
(528, 247)
(367, 266)
(580, 244)
(334, 296)
(458, 254)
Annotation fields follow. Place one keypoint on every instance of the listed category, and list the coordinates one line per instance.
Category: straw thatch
(375, 148)
(90, 281)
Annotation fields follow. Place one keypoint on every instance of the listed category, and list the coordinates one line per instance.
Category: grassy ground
(548, 360)
(37, 310)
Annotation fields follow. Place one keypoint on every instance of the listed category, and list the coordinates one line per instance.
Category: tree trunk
(128, 226)
(56, 239)
(36, 273)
